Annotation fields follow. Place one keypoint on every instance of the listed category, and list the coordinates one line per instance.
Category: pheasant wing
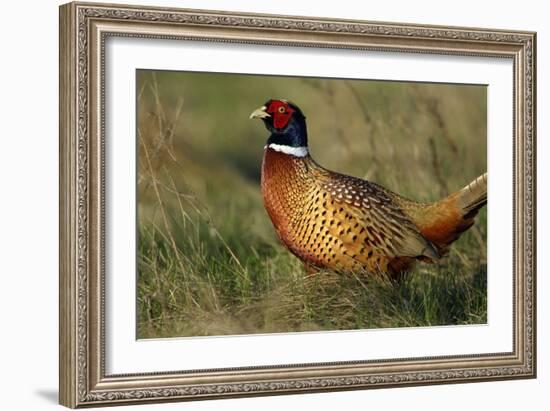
(367, 219)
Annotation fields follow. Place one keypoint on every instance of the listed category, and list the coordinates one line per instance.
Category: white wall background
(28, 205)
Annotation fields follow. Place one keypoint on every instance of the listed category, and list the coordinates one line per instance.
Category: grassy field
(208, 259)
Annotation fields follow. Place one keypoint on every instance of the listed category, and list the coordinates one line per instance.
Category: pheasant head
(287, 125)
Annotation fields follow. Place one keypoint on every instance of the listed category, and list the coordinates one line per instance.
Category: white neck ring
(293, 151)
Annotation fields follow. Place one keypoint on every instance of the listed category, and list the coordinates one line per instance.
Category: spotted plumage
(335, 221)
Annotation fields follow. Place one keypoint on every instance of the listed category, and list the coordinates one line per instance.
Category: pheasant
(346, 224)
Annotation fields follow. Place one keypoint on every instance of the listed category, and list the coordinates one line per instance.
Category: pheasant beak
(260, 113)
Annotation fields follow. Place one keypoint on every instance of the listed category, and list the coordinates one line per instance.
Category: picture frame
(85, 29)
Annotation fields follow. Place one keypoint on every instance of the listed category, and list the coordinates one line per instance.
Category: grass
(208, 259)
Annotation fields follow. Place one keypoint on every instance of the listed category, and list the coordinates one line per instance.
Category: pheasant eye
(281, 110)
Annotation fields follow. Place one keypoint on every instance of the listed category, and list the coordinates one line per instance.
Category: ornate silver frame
(84, 27)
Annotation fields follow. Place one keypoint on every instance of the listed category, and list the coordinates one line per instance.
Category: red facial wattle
(281, 113)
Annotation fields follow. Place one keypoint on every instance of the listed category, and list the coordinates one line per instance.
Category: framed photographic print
(259, 204)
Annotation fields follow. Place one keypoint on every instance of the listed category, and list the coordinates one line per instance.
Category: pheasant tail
(444, 221)
(472, 197)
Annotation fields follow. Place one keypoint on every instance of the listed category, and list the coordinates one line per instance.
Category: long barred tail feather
(472, 197)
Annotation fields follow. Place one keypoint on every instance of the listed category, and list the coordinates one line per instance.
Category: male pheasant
(343, 223)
